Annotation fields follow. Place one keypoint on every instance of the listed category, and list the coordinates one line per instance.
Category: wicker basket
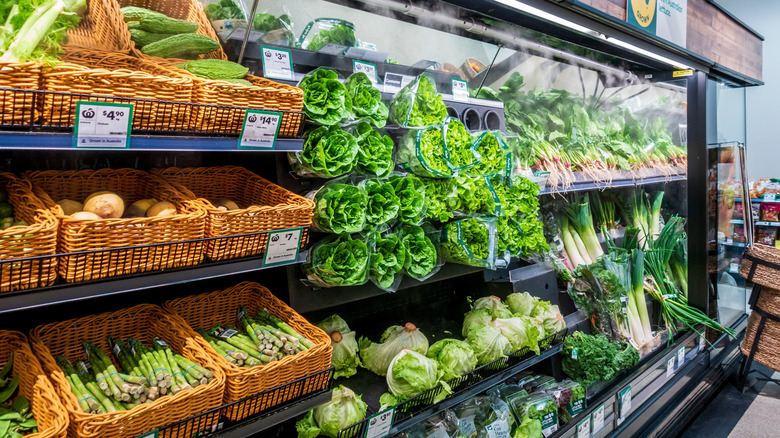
(767, 351)
(264, 206)
(85, 235)
(100, 28)
(189, 10)
(121, 76)
(39, 238)
(142, 322)
(46, 406)
(18, 107)
(761, 265)
(470, 68)
(219, 308)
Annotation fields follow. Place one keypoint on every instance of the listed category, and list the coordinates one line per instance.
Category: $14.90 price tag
(282, 246)
(260, 129)
(103, 125)
(277, 64)
(379, 425)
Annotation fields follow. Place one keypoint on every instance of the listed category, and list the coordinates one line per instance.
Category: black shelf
(49, 296)
(620, 179)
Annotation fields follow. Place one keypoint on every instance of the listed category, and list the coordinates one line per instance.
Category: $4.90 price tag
(102, 125)
(365, 67)
(460, 90)
(277, 64)
(379, 425)
(260, 129)
(282, 246)
(583, 428)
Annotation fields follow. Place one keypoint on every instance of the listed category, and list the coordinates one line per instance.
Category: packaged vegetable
(344, 409)
(418, 104)
(570, 398)
(388, 259)
(475, 195)
(375, 151)
(519, 332)
(459, 148)
(339, 208)
(325, 98)
(411, 192)
(328, 35)
(328, 152)
(383, 205)
(440, 198)
(337, 261)
(470, 242)
(344, 357)
(377, 357)
(422, 257)
(536, 406)
(494, 155)
(440, 425)
(422, 153)
(366, 100)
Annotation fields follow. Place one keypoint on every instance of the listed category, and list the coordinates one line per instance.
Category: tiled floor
(731, 414)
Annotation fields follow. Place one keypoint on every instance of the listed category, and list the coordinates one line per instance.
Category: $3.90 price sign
(260, 129)
(102, 125)
(282, 246)
(277, 63)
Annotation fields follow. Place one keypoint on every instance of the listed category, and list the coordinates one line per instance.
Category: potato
(139, 208)
(225, 204)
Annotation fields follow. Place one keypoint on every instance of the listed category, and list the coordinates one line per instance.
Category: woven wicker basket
(46, 406)
(767, 351)
(761, 265)
(85, 235)
(264, 206)
(219, 308)
(18, 107)
(142, 322)
(100, 28)
(189, 10)
(39, 238)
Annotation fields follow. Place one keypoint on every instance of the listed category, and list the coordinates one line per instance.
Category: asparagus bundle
(146, 374)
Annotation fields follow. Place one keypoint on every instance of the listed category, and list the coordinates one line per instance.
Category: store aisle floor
(734, 415)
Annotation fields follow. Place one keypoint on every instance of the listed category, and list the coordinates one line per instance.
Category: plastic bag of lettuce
(388, 257)
(421, 152)
(470, 242)
(341, 260)
(340, 207)
(418, 104)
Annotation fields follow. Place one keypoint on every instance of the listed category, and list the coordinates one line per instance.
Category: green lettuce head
(455, 357)
(388, 260)
(327, 152)
(344, 409)
(345, 346)
(325, 99)
(411, 373)
(521, 304)
(377, 357)
(411, 193)
(421, 255)
(340, 208)
(488, 344)
(383, 204)
(418, 104)
(366, 100)
(375, 151)
(338, 261)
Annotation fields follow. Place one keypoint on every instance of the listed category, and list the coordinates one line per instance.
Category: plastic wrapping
(388, 258)
(375, 151)
(570, 398)
(325, 98)
(339, 208)
(383, 205)
(330, 35)
(418, 104)
(475, 195)
(440, 197)
(470, 242)
(337, 261)
(411, 192)
(459, 148)
(366, 100)
(422, 153)
(509, 237)
(422, 255)
(537, 406)
(328, 152)
(494, 155)
(441, 425)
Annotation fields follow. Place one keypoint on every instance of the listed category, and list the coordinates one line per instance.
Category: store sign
(282, 246)
(103, 125)
(379, 425)
(460, 90)
(667, 19)
(277, 63)
(598, 419)
(365, 67)
(260, 129)
(583, 428)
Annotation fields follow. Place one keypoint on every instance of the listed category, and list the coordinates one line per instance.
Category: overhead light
(579, 28)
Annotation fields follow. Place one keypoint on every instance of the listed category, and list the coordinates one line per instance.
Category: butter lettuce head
(366, 100)
(338, 261)
(388, 260)
(375, 151)
(340, 208)
(328, 152)
(325, 99)
(383, 204)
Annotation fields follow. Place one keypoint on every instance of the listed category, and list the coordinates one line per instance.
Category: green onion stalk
(604, 211)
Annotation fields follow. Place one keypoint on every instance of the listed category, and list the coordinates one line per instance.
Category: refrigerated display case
(581, 113)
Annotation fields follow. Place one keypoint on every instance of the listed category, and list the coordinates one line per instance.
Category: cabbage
(345, 347)
(494, 304)
(377, 357)
(552, 320)
(488, 344)
(475, 319)
(409, 374)
(535, 322)
(521, 304)
(540, 307)
(455, 357)
(344, 409)
(520, 333)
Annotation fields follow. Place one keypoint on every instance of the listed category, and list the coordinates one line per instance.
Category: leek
(581, 220)
(569, 244)
(655, 214)
(637, 286)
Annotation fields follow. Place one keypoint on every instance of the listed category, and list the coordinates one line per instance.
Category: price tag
(283, 246)
(277, 64)
(379, 425)
(460, 90)
(680, 357)
(598, 419)
(497, 429)
(769, 197)
(394, 82)
(103, 125)
(734, 267)
(583, 428)
(152, 434)
(625, 402)
(467, 427)
(365, 67)
(670, 367)
(260, 129)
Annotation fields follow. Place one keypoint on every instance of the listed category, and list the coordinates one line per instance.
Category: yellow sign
(644, 11)
(682, 73)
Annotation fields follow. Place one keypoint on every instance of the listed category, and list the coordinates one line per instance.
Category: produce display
(144, 375)
(16, 419)
(591, 358)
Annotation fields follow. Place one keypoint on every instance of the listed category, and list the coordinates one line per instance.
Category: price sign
(103, 125)
(769, 197)
(497, 429)
(625, 402)
(277, 64)
(670, 367)
(460, 90)
(598, 419)
(379, 425)
(680, 357)
(583, 428)
(283, 246)
(365, 67)
(260, 129)
(152, 434)
(394, 82)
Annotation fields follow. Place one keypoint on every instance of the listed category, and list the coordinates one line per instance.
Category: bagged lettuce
(411, 193)
(495, 157)
(418, 104)
(366, 100)
(325, 98)
(344, 409)
(422, 257)
(375, 151)
(455, 357)
(383, 205)
(470, 242)
(377, 357)
(344, 357)
(421, 152)
(387, 261)
(552, 320)
(337, 261)
(339, 208)
(321, 32)
(328, 152)
(459, 148)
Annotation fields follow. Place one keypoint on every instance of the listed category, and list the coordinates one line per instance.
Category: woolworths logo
(644, 12)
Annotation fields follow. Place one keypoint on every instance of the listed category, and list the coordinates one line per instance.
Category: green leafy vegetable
(340, 208)
(469, 242)
(34, 29)
(509, 236)
(375, 151)
(488, 344)
(411, 373)
(411, 192)
(589, 358)
(383, 205)
(422, 152)
(440, 195)
(529, 428)
(388, 260)
(421, 255)
(476, 318)
(455, 357)
(328, 152)
(520, 333)
(377, 357)
(521, 304)
(338, 261)
(325, 99)
(338, 34)
(344, 409)
(418, 104)
(366, 100)
(345, 346)
(460, 150)
(494, 154)
(226, 10)
(494, 304)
